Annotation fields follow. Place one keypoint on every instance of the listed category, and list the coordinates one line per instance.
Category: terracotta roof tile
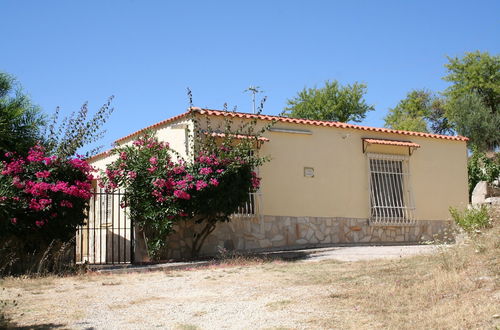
(327, 124)
(392, 143)
(239, 136)
(323, 123)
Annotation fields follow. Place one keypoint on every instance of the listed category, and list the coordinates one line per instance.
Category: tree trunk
(199, 238)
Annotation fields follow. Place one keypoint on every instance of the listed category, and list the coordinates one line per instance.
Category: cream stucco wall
(340, 184)
(175, 133)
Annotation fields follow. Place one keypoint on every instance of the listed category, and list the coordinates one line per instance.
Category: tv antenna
(254, 90)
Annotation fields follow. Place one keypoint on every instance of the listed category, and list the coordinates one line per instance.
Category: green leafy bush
(482, 168)
(473, 218)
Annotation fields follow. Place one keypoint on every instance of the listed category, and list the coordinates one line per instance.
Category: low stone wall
(273, 232)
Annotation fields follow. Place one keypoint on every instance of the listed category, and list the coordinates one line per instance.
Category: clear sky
(147, 52)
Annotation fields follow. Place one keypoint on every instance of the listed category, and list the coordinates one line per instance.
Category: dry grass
(456, 288)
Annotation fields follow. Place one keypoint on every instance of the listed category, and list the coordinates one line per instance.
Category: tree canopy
(469, 106)
(478, 73)
(332, 102)
(20, 119)
(474, 98)
(420, 111)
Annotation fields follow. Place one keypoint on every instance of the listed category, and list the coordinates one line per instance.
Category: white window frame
(390, 194)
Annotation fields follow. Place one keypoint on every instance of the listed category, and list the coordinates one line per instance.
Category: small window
(391, 201)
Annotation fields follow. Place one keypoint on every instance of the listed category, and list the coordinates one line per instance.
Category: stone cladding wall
(282, 232)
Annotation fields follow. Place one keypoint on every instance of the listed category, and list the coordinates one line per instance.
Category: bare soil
(454, 288)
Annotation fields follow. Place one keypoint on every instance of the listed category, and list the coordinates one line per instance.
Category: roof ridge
(332, 124)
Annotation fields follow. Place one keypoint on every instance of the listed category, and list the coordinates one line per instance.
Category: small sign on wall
(309, 172)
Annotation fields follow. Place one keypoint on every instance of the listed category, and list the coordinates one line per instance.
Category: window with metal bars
(391, 201)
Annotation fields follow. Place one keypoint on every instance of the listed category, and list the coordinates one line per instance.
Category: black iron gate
(107, 236)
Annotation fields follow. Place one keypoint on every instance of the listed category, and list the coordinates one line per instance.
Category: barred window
(391, 201)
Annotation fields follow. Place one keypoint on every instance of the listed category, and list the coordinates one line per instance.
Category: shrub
(474, 218)
(482, 168)
(43, 197)
(161, 190)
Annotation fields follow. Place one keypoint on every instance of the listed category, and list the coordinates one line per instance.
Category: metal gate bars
(107, 237)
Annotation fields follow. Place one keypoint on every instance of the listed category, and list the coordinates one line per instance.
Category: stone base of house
(273, 232)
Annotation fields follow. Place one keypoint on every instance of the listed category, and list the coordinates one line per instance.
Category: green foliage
(44, 198)
(77, 130)
(482, 168)
(332, 102)
(420, 111)
(161, 188)
(474, 98)
(472, 118)
(471, 219)
(20, 120)
(476, 72)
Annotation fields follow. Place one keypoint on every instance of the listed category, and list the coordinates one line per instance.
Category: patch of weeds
(173, 274)
(143, 300)
(277, 305)
(109, 283)
(186, 326)
(199, 313)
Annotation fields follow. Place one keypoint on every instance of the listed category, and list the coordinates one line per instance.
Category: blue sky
(147, 52)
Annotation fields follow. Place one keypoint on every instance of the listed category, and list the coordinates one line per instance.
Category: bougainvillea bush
(43, 198)
(161, 188)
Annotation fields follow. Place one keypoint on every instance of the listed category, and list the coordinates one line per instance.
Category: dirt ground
(450, 289)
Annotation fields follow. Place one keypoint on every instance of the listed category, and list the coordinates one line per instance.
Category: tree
(478, 73)
(332, 102)
(420, 111)
(474, 98)
(161, 188)
(472, 118)
(65, 138)
(20, 119)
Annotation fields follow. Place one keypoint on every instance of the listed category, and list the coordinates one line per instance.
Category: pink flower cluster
(43, 184)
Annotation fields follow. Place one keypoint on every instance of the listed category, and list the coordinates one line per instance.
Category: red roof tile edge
(288, 120)
(392, 143)
(240, 136)
(328, 124)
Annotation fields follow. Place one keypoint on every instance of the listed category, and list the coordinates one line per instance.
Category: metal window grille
(250, 207)
(391, 199)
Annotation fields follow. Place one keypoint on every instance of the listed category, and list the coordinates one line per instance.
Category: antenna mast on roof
(254, 90)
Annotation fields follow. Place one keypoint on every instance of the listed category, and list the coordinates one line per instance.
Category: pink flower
(42, 174)
(16, 182)
(123, 155)
(39, 223)
(14, 167)
(200, 184)
(179, 169)
(138, 143)
(39, 205)
(181, 194)
(152, 169)
(220, 171)
(205, 170)
(65, 203)
(214, 182)
(153, 160)
(132, 174)
(159, 183)
(255, 181)
(80, 164)
(36, 154)
(13, 221)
